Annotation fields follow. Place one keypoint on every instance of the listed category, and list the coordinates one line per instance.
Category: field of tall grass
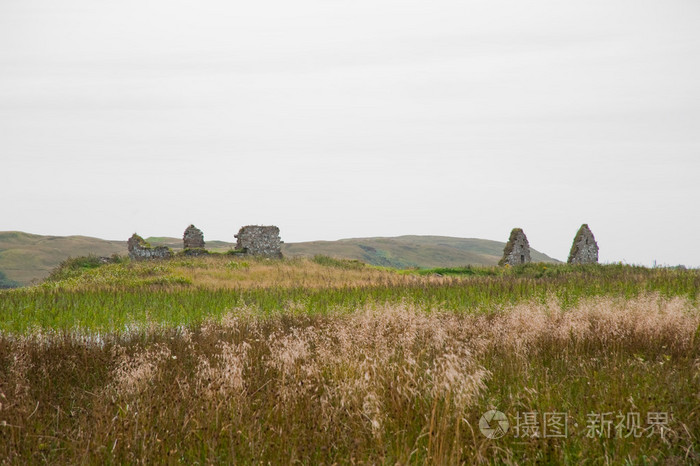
(216, 359)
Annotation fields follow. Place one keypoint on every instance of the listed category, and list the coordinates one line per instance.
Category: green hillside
(176, 243)
(410, 251)
(26, 258)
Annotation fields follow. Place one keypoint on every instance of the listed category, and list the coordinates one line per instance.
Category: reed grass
(185, 291)
(389, 384)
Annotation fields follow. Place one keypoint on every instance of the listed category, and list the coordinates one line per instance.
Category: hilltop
(27, 258)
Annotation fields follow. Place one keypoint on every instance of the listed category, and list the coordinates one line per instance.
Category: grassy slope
(26, 258)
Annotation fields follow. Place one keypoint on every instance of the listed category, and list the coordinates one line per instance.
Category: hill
(27, 258)
(410, 251)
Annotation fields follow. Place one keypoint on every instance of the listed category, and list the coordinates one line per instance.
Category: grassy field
(224, 359)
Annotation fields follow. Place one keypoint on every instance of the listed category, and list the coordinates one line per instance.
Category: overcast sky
(336, 119)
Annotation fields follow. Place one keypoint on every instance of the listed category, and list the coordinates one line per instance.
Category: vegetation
(224, 359)
(100, 297)
(74, 267)
(6, 282)
(341, 263)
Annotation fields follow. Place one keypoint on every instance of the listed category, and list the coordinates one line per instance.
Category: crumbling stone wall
(584, 250)
(139, 249)
(259, 240)
(193, 238)
(517, 250)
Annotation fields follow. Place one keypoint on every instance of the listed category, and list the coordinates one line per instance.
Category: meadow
(321, 361)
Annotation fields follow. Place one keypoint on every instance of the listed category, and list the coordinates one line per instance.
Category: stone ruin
(193, 238)
(259, 241)
(584, 250)
(517, 250)
(139, 249)
(252, 240)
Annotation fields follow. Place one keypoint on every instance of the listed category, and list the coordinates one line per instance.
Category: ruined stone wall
(584, 250)
(139, 249)
(259, 240)
(193, 238)
(517, 250)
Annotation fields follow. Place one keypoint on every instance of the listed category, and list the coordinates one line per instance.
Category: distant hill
(176, 243)
(26, 258)
(410, 251)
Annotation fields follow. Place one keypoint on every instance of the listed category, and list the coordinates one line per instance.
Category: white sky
(336, 119)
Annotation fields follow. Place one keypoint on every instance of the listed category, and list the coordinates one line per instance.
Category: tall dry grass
(391, 384)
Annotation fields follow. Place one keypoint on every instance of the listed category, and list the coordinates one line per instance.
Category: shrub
(74, 265)
(6, 283)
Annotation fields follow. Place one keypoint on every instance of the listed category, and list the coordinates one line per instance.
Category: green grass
(88, 295)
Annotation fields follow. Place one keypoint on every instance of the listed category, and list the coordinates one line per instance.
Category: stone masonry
(139, 249)
(584, 250)
(517, 250)
(193, 238)
(259, 241)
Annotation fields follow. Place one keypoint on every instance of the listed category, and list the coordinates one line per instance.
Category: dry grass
(292, 273)
(388, 384)
(223, 272)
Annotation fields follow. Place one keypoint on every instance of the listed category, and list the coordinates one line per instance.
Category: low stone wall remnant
(139, 249)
